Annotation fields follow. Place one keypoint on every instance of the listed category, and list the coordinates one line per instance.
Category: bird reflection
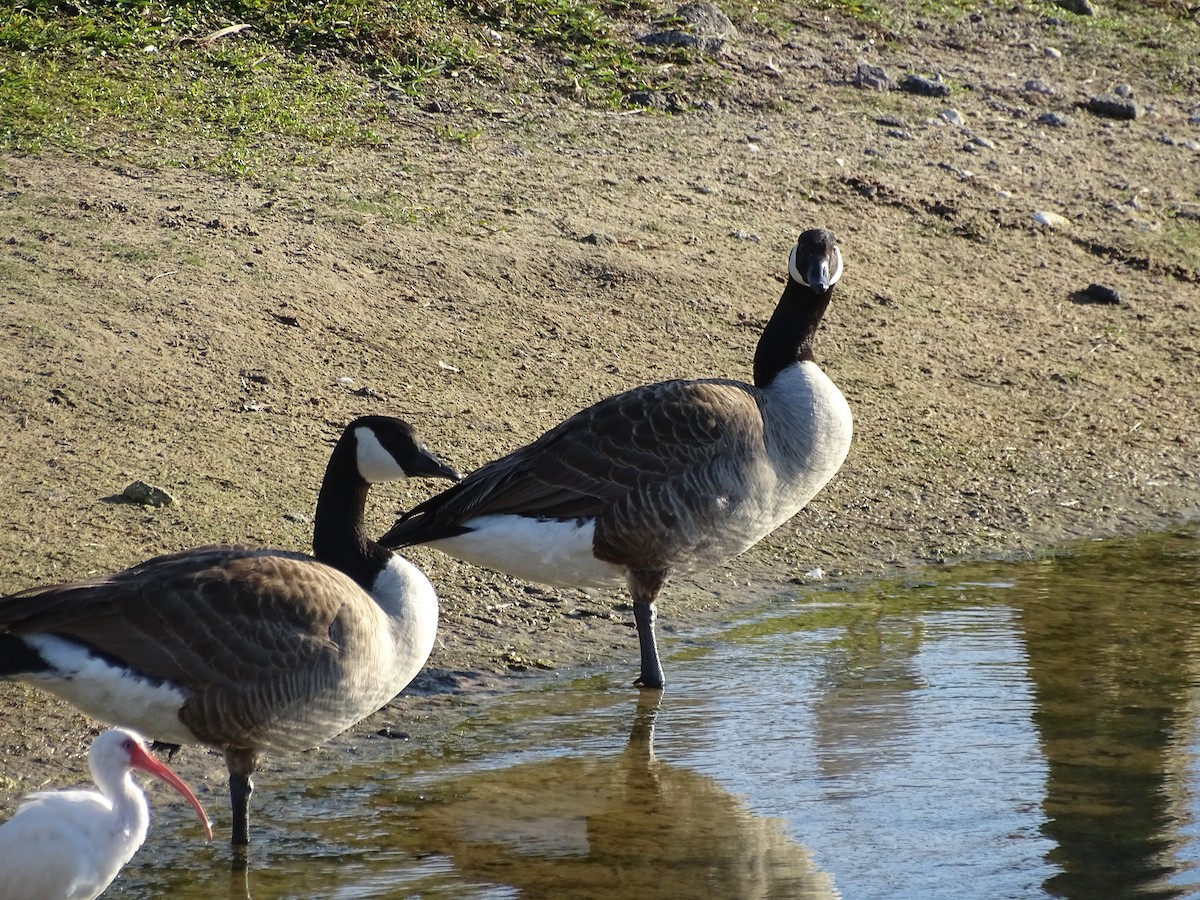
(610, 826)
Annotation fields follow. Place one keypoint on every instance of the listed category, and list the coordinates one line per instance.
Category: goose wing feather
(623, 446)
(216, 620)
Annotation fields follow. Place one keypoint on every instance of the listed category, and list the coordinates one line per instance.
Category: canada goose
(73, 843)
(246, 649)
(664, 478)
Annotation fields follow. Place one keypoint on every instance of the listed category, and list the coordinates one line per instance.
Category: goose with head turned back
(246, 649)
(662, 479)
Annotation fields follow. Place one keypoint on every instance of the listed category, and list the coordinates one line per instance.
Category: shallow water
(1001, 730)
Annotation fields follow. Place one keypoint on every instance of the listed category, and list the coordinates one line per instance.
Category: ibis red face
(141, 758)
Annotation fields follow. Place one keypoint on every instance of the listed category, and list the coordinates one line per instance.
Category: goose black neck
(339, 536)
(788, 337)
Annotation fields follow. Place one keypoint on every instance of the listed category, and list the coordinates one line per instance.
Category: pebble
(1102, 293)
(1039, 87)
(925, 87)
(1052, 52)
(745, 236)
(954, 117)
(147, 495)
(1050, 219)
(1111, 107)
(872, 78)
(1079, 7)
(1054, 120)
(598, 237)
(706, 28)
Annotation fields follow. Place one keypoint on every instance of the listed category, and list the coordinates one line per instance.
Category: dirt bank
(487, 273)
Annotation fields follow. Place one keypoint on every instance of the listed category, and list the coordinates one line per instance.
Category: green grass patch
(239, 86)
(259, 80)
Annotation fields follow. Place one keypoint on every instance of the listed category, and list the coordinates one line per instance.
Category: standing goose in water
(246, 649)
(662, 479)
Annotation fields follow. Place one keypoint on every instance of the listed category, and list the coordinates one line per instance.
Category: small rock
(598, 237)
(1050, 220)
(146, 495)
(1102, 293)
(983, 142)
(1123, 90)
(889, 119)
(1079, 7)
(954, 117)
(745, 236)
(872, 78)
(899, 134)
(1053, 119)
(648, 100)
(925, 87)
(705, 28)
(1052, 52)
(1039, 87)
(1112, 107)
(392, 733)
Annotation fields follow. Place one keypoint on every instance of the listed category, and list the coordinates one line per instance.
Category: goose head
(389, 449)
(816, 261)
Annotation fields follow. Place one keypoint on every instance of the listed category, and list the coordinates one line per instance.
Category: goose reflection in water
(626, 825)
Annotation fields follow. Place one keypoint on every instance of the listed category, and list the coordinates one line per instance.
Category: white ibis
(664, 478)
(64, 845)
(246, 649)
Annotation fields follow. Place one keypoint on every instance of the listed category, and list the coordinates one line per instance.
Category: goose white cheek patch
(833, 279)
(374, 462)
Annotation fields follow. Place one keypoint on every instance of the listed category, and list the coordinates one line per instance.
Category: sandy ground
(212, 337)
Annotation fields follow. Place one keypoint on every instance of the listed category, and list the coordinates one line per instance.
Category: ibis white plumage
(70, 844)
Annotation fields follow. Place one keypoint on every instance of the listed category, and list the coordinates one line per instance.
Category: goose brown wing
(623, 444)
(213, 617)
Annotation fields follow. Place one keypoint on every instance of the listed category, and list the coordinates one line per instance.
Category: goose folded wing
(625, 444)
(215, 616)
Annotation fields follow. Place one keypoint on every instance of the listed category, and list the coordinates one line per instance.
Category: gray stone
(1054, 120)
(926, 87)
(1102, 293)
(598, 237)
(1112, 107)
(872, 78)
(1079, 7)
(146, 495)
(705, 28)
(648, 100)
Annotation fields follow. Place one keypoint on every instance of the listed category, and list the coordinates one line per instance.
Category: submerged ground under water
(998, 730)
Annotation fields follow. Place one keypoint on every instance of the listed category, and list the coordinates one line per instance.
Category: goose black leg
(644, 587)
(241, 765)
